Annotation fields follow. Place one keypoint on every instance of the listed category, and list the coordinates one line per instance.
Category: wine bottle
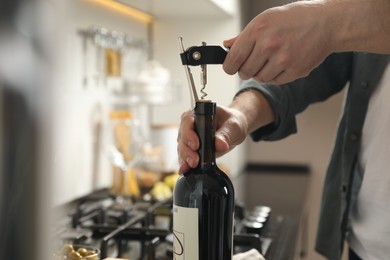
(203, 200)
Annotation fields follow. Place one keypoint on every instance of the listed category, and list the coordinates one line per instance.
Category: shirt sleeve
(290, 99)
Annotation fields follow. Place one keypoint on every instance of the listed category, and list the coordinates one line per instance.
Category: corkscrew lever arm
(190, 79)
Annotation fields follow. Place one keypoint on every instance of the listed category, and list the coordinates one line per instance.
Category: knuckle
(284, 61)
(236, 134)
(247, 71)
(271, 45)
(182, 150)
(243, 74)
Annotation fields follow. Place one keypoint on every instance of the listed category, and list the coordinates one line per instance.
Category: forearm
(359, 25)
(255, 107)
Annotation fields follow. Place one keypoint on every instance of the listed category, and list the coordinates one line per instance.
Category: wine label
(185, 233)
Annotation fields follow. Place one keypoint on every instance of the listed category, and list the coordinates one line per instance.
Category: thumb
(221, 145)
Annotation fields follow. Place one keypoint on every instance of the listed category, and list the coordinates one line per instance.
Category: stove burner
(141, 230)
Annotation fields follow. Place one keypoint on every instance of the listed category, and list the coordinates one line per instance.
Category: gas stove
(142, 229)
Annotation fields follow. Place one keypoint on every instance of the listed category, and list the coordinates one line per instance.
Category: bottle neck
(205, 129)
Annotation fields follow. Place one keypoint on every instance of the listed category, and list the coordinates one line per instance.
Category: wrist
(254, 107)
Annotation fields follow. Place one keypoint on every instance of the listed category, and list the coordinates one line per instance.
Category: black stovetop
(140, 229)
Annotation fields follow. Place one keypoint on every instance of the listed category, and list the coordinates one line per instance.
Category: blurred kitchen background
(70, 68)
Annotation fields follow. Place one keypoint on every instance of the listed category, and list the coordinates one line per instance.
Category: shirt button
(353, 137)
(344, 188)
(364, 84)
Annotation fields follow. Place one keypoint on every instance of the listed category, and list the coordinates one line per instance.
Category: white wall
(77, 107)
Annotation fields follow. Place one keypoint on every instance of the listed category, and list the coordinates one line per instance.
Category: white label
(185, 233)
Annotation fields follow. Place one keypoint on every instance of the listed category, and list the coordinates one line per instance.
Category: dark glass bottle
(203, 199)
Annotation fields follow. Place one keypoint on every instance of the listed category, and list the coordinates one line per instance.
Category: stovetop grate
(137, 230)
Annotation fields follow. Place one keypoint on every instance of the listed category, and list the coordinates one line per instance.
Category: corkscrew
(200, 55)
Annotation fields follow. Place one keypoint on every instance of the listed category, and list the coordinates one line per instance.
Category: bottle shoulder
(193, 188)
(212, 178)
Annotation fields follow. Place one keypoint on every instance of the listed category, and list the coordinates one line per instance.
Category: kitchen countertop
(284, 188)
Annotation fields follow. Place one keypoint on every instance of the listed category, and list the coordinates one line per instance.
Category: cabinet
(184, 8)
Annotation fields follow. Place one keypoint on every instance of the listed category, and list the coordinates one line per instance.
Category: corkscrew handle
(205, 54)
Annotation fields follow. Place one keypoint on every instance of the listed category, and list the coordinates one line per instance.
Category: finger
(187, 143)
(183, 168)
(253, 64)
(228, 43)
(221, 145)
(268, 72)
(237, 54)
(187, 133)
(187, 156)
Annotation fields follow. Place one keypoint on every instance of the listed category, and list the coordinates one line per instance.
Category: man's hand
(280, 45)
(231, 131)
(286, 43)
(248, 111)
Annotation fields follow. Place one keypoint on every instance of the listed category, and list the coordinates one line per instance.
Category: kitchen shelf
(184, 8)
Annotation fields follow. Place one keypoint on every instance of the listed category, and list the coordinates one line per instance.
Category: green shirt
(363, 72)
